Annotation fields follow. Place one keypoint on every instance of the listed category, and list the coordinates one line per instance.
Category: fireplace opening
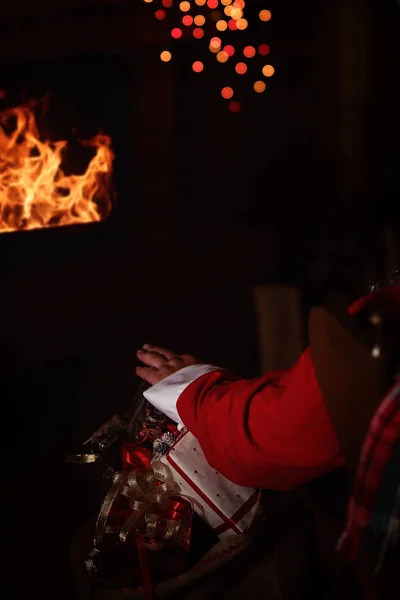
(66, 180)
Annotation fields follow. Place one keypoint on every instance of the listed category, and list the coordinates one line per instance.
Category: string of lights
(213, 21)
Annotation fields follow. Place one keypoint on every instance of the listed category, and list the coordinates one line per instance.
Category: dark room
(200, 281)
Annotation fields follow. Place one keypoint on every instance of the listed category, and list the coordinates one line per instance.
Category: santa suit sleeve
(271, 432)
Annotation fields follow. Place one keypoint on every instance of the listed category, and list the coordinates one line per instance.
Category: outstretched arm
(270, 432)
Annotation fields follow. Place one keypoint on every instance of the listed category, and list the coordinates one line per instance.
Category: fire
(34, 190)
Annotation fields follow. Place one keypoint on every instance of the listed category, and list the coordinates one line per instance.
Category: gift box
(228, 509)
(156, 476)
(143, 529)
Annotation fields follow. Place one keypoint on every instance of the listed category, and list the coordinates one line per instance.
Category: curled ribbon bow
(149, 496)
(155, 515)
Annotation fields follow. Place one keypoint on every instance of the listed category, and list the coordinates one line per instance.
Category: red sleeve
(271, 432)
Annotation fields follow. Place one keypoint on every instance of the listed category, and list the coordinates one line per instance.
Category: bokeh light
(215, 43)
(265, 15)
(225, 15)
(234, 106)
(227, 93)
(198, 33)
(222, 25)
(241, 68)
(263, 49)
(235, 13)
(249, 51)
(242, 24)
(268, 70)
(230, 50)
(259, 87)
(165, 56)
(176, 33)
(197, 66)
(222, 56)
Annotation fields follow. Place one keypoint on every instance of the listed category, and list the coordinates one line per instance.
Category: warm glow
(222, 56)
(198, 33)
(259, 87)
(167, 3)
(199, 20)
(241, 24)
(200, 2)
(263, 49)
(176, 33)
(187, 20)
(241, 68)
(215, 43)
(230, 50)
(235, 13)
(228, 10)
(232, 25)
(222, 25)
(239, 4)
(212, 4)
(160, 14)
(227, 93)
(226, 2)
(234, 106)
(249, 52)
(34, 191)
(265, 15)
(165, 56)
(184, 6)
(197, 66)
(148, 1)
(268, 71)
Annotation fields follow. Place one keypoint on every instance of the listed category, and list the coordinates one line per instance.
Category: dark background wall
(296, 187)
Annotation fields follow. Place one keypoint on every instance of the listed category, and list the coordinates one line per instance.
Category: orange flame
(34, 191)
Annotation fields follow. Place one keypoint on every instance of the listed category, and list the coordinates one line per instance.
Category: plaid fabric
(373, 513)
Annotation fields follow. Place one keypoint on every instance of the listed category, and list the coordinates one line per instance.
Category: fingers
(151, 359)
(149, 374)
(167, 353)
(160, 363)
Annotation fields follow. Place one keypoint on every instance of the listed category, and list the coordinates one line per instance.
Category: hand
(160, 363)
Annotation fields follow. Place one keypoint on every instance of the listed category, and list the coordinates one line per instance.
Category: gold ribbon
(82, 458)
(146, 492)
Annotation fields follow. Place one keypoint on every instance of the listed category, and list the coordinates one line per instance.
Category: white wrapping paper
(228, 508)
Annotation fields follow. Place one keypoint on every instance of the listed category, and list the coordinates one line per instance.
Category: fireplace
(76, 98)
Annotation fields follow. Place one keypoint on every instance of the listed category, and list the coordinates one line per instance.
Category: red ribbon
(145, 570)
(138, 458)
(134, 457)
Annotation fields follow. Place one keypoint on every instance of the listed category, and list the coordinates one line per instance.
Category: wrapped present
(228, 508)
(147, 426)
(140, 426)
(140, 513)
